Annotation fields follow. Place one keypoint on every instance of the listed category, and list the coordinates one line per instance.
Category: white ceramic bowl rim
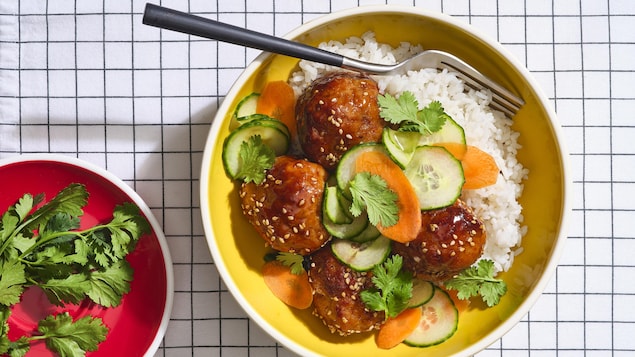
(156, 227)
(552, 262)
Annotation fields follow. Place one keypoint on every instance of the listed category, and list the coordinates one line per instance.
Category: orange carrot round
(277, 100)
(409, 222)
(395, 330)
(479, 168)
(292, 289)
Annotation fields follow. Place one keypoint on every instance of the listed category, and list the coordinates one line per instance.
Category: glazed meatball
(336, 112)
(450, 240)
(286, 208)
(336, 295)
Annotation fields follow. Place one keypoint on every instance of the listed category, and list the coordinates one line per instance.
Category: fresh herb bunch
(405, 112)
(44, 247)
(393, 288)
(479, 280)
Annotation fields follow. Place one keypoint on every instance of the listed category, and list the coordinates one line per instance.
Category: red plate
(137, 326)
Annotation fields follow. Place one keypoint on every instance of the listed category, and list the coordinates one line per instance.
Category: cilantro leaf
(71, 289)
(107, 286)
(5, 312)
(479, 280)
(72, 338)
(12, 278)
(371, 193)
(256, 158)
(405, 112)
(293, 261)
(432, 117)
(70, 200)
(393, 288)
(398, 110)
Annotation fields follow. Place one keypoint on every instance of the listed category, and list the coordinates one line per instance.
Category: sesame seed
(321, 102)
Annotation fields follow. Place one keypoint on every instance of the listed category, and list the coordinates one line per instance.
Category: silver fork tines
(502, 99)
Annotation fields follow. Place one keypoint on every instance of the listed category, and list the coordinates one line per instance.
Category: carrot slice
(409, 222)
(456, 149)
(277, 100)
(293, 289)
(396, 329)
(479, 168)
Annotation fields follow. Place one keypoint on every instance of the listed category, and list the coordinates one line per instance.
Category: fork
(502, 99)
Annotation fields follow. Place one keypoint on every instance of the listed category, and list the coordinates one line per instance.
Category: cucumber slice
(438, 322)
(346, 167)
(251, 117)
(332, 207)
(369, 233)
(344, 230)
(271, 132)
(247, 105)
(436, 176)
(400, 145)
(450, 132)
(422, 292)
(361, 256)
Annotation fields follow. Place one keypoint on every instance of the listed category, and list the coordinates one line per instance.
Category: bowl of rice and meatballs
(519, 223)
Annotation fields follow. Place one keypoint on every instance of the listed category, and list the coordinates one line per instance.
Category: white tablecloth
(87, 79)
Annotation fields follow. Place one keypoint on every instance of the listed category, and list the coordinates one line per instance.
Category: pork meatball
(286, 208)
(336, 295)
(450, 240)
(336, 112)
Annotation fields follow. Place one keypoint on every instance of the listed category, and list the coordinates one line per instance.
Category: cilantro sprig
(44, 247)
(256, 158)
(405, 112)
(370, 193)
(294, 261)
(479, 280)
(393, 288)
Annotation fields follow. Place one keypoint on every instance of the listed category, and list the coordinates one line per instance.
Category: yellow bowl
(238, 251)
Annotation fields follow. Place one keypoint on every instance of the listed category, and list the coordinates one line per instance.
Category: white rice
(491, 131)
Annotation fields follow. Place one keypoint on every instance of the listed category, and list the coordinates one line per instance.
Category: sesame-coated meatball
(451, 239)
(336, 295)
(286, 208)
(336, 112)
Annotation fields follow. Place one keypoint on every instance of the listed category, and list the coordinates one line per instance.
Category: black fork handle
(174, 20)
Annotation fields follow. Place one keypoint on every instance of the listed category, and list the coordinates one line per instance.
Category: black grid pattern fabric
(85, 78)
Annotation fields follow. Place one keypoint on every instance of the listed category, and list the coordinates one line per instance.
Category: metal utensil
(169, 19)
